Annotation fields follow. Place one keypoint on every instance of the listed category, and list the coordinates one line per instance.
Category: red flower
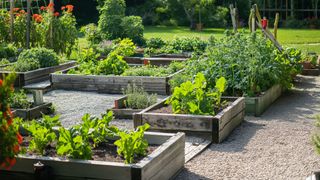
(19, 138)
(42, 8)
(16, 9)
(16, 149)
(34, 16)
(70, 8)
(63, 8)
(50, 7)
(56, 14)
(10, 122)
(1, 82)
(22, 12)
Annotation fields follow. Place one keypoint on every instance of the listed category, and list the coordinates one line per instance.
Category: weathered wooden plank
(159, 160)
(311, 72)
(161, 121)
(34, 112)
(228, 128)
(197, 150)
(257, 105)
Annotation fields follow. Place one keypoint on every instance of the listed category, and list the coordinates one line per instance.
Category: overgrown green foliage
(133, 29)
(113, 64)
(132, 144)
(19, 100)
(154, 71)
(8, 51)
(177, 45)
(73, 144)
(42, 133)
(91, 33)
(113, 23)
(196, 97)
(137, 98)
(249, 62)
(35, 58)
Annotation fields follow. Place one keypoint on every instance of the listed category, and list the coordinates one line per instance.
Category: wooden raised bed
(120, 111)
(311, 72)
(33, 112)
(218, 126)
(182, 55)
(158, 61)
(257, 105)
(163, 163)
(38, 75)
(111, 84)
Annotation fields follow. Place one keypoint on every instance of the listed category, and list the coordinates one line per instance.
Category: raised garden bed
(218, 126)
(110, 84)
(163, 163)
(257, 105)
(311, 72)
(182, 55)
(158, 61)
(38, 75)
(120, 111)
(33, 112)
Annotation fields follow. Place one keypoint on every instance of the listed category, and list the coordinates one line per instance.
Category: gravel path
(276, 145)
(72, 105)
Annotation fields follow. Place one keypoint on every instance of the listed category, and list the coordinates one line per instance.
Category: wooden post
(28, 23)
(233, 17)
(11, 20)
(275, 30)
(51, 26)
(253, 20)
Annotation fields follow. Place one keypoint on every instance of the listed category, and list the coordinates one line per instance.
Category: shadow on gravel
(293, 105)
(185, 174)
(239, 138)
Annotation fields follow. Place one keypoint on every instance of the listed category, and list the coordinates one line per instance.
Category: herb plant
(137, 98)
(19, 100)
(132, 144)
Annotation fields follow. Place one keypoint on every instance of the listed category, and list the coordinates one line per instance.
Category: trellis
(26, 5)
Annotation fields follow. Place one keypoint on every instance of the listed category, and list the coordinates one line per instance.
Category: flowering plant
(9, 135)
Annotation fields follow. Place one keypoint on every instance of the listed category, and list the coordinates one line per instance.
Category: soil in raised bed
(106, 151)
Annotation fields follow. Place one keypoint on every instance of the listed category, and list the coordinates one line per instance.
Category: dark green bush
(8, 51)
(155, 43)
(35, 58)
(110, 19)
(133, 29)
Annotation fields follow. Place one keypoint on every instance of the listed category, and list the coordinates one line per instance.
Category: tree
(190, 8)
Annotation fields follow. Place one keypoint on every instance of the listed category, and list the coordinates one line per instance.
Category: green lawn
(306, 40)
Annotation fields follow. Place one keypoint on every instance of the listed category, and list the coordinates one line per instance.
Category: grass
(304, 39)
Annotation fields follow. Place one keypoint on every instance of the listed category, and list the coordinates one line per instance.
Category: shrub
(35, 58)
(91, 33)
(132, 28)
(125, 47)
(137, 98)
(8, 51)
(19, 100)
(110, 18)
(113, 64)
(155, 43)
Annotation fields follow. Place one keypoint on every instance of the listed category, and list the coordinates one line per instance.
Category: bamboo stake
(28, 23)
(275, 30)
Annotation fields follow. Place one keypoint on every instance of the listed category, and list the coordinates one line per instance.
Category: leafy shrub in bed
(249, 62)
(35, 58)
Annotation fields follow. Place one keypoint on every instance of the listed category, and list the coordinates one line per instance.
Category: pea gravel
(72, 105)
(276, 145)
